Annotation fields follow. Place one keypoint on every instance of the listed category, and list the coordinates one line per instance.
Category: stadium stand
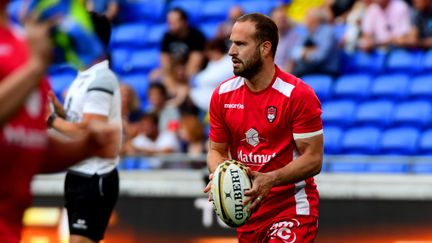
(391, 86)
(381, 103)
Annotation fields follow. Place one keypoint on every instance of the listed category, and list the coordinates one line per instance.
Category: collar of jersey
(100, 65)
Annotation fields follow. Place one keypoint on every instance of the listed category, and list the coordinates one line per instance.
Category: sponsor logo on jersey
(271, 113)
(234, 106)
(283, 231)
(254, 159)
(252, 137)
(34, 104)
(25, 137)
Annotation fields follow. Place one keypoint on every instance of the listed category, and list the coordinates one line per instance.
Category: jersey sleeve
(100, 93)
(218, 129)
(306, 113)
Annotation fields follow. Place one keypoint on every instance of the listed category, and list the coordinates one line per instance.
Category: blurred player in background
(270, 121)
(25, 147)
(109, 8)
(91, 187)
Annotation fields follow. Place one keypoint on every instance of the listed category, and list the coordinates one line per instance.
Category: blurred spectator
(182, 48)
(169, 115)
(316, 52)
(152, 142)
(191, 133)
(131, 112)
(385, 23)
(218, 69)
(224, 29)
(287, 39)
(353, 25)
(109, 8)
(336, 10)
(130, 103)
(421, 30)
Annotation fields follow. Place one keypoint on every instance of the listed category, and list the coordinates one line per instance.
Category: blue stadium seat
(193, 8)
(145, 60)
(427, 62)
(62, 69)
(353, 86)
(321, 84)
(209, 29)
(393, 86)
(425, 144)
(129, 35)
(387, 167)
(120, 60)
(361, 140)
(378, 113)
(128, 163)
(146, 11)
(421, 87)
(215, 10)
(404, 61)
(363, 62)
(155, 35)
(13, 10)
(139, 82)
(413, 113)
(422, 167)
(338, 112)
(346, 167)
(263, 6)
(332, 139)
(401, 140)
(61, 82)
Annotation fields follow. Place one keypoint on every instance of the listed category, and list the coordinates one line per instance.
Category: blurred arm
(194, 63)
(72, 129)
(15, 88)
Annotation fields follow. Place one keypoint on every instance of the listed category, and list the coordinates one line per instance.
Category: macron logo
(234, 106)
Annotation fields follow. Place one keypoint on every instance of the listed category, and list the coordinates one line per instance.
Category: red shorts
(297, 229)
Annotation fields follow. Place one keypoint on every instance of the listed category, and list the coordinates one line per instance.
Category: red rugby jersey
(23, 141)
(260, 128)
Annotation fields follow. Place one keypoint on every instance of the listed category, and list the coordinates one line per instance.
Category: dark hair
(266, 29)
(152, 116)
(160, 87)
(217, 44)
(102, 27)
(181, 12)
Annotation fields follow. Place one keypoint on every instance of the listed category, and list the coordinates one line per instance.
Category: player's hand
(58, 107)
(39, 41)
(207, 189)
(261, 185)
(103, 139)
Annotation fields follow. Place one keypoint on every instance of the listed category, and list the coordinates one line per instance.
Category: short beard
(251, 67)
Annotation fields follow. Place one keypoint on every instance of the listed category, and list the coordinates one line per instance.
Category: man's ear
(266, 48)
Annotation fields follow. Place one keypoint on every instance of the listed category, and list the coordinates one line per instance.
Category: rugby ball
(230, 181)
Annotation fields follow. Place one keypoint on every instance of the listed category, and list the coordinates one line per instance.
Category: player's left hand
(261, 185)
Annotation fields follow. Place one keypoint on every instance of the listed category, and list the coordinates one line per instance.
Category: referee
(91, 187)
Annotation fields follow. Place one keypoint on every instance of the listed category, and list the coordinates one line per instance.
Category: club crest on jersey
(271, 113)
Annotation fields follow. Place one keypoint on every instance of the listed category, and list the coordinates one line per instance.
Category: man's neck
(263, 79)
(4, 20)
